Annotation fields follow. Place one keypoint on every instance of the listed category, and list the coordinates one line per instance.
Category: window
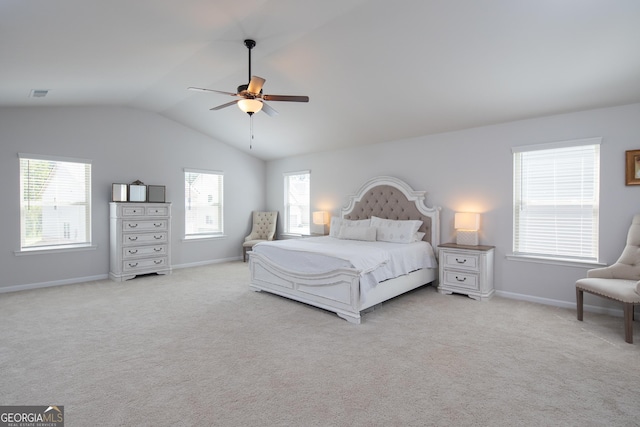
(297, 202)
(203, 197)
(556, 189)
(55, 202)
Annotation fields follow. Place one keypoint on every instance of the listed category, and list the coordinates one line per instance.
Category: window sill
(54, 249)
(204, 237)
(555, 261)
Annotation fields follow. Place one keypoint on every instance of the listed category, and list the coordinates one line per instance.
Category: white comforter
(322, 254)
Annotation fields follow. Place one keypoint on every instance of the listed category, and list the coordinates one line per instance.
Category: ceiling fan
(251, 99)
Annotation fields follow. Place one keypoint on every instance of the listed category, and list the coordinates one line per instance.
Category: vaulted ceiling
(375, 70)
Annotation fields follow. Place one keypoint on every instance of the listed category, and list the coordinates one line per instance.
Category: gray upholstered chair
(619, 282)
(264, 229)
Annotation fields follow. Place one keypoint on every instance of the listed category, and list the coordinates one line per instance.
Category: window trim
(548, 259)
(59, 248)
(211, 235)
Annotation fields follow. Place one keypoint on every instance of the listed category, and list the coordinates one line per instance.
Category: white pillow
(336, 223)
(367, 234)
(418, 236)
(395, 231)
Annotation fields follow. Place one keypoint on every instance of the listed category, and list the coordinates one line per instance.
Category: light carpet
(198, 348)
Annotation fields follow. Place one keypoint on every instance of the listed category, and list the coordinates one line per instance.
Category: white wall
(472, 170)
(124, 145)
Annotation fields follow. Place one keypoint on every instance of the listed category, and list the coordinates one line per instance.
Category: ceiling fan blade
(199, 89)
(291, 98)
(255, 85)
(220, 107)
(269, 110)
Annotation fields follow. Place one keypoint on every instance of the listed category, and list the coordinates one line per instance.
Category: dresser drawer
(460, 279)
(133, 210)
(461, 260)
(157, 211)
(132, 225)
(129, 239)
(144, 264)
(144, 251)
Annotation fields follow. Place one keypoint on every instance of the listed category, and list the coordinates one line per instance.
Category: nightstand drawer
(459, 279)
(461, 260)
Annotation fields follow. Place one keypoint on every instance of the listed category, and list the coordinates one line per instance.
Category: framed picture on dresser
(137, 193)
(119, 192)
(156, 193)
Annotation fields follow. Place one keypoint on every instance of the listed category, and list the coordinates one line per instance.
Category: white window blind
(297, 196)
(556, 192)
(55, 202)
(203, 203)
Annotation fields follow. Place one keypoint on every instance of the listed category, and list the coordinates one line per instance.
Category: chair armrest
(616, 271)
(601, 273)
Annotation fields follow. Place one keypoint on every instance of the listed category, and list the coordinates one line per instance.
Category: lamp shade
(321, 218)
(466, 221)
(250, 105)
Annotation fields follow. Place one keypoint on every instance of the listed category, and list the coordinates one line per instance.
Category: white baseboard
(562, 304)
(63, 282)
(29, 286)
(208, 262)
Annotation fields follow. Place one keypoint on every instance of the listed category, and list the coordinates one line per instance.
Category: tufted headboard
(391, 198)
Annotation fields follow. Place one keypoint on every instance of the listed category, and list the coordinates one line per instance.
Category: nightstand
(466, 270)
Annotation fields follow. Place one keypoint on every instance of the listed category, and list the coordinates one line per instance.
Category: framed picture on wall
(633, 167)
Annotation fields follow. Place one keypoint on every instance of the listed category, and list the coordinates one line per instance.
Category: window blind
(297, 197)
(203, 201)
(556, 200)
(55, 202)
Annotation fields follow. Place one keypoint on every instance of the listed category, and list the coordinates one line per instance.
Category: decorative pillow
(367, 234)
(395, 231)
(418, 236)
(336, 223)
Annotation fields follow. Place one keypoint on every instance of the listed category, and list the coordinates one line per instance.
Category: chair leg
(579, 302)
(244, 254)
(628, 322)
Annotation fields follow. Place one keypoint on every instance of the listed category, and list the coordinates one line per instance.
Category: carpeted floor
(198, 348)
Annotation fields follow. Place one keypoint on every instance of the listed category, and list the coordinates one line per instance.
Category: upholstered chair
(619, 281)
(264, 229)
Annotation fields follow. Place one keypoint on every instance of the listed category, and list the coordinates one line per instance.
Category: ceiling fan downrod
(250, 44)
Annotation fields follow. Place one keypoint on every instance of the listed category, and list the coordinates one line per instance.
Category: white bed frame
(339, 290)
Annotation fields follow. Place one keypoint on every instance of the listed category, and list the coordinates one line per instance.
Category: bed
(306, 270)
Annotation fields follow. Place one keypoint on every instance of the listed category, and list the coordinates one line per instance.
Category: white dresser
(140, 239)
(466, 270)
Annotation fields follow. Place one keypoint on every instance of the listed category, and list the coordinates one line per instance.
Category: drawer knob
(461, 280)
(133, 239)
(133, 252)
(157, 225)
(133, 265)
(158, 261)
(132, 225)
(157, 237)
(461, 262)
(157, 249)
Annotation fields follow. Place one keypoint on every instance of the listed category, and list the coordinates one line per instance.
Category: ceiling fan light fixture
(250, 106)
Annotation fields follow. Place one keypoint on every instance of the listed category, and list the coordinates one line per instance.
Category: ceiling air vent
(38, 93)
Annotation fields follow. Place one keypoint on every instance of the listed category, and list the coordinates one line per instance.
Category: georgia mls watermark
(32, 416)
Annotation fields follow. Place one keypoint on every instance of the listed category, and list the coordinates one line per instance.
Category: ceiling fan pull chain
(250, 131)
